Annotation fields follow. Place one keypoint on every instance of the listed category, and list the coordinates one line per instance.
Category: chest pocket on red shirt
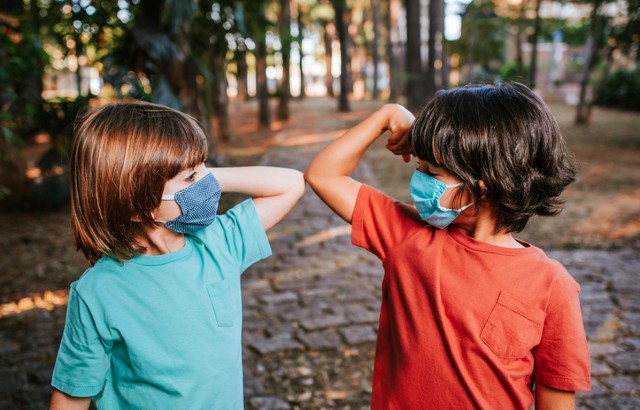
(514, 327)
(223, 304)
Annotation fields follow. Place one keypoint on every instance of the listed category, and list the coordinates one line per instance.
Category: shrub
(509, 73)
(620, 89)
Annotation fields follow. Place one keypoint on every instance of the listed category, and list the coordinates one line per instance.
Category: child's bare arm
(329, 174)
(275, 190)
(62, 401)
(548, 398)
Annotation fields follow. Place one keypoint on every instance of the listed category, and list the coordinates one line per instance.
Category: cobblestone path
(310, 313)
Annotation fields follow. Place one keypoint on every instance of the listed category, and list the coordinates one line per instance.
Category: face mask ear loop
(169, 197)
(455, 185)
(465, 207)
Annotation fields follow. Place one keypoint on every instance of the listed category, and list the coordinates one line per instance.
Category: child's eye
(426, 170)
(191, 177)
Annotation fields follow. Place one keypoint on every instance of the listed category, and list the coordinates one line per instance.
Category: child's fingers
(402, 149)
(398, 141)
(399, 133)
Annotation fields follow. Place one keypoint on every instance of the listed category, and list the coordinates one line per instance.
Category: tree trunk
(220, 101)
(284, 20)
(343, 36)
(390, 22)
(328, 58)
(413, 55)
(583, 109)
(442, 57)
(435, 47)
(519, 58)
(533, 67)
(375, 53)
(241, 61)
(262, 90)
(300, 38)
(179, 73)
(594, 43)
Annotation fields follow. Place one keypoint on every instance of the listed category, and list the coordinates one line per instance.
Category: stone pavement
(310, 312)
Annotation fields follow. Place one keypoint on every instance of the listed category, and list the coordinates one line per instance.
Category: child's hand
(399, 123)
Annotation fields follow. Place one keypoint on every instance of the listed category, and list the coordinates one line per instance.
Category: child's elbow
(311, 177)
(298, 185)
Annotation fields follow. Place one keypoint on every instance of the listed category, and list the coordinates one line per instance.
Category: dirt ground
(38, 261)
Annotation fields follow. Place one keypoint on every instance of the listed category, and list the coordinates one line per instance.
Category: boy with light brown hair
(156, 322)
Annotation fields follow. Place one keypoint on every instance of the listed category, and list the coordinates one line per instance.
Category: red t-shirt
(466, 324)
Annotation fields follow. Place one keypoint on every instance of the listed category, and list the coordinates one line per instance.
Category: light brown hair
(121, 156)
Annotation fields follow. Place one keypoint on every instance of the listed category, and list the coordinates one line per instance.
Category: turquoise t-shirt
(163, 332)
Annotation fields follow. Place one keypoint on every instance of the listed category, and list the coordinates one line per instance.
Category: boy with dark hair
(471, 317)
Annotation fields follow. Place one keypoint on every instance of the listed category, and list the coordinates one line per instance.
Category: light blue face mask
(199, 204)
(426, 192)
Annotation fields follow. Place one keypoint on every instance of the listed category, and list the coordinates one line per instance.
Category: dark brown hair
(504, 135)
(121, 156)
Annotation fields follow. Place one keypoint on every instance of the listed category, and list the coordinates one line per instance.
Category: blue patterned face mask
(198, 202)
(426, 192)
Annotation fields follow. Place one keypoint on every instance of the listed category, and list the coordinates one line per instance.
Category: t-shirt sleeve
(562, 357)
(245, 237)
(82, 362)
(379, 222)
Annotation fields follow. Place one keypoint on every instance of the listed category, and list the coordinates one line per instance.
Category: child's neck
(161, 241)
(505, 240)
(484, 232)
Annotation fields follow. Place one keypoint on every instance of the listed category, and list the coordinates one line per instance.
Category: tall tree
(300, 12)
(242, 70)
(519, 35)
(262, 90)
(257, 23)
(413, 55)
(340, 8)
(392, 47)
(324, 13)
(533, 67)
(595, 42)
(284, 21)
(375, 52)
(213, 21)
(436, 28)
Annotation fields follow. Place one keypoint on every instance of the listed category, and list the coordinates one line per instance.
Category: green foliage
(620, 89)
(21, 65)
(482, 40)
(57, 117)
(626, 32)
(574, 34)
(509, 73)
(69, 27)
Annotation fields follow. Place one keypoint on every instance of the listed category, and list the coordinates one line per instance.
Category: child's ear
(137, 218)
(483, 187)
